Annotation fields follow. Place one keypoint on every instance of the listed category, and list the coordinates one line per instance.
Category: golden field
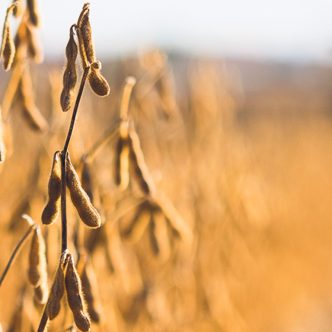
(249, 172)
(215, 218)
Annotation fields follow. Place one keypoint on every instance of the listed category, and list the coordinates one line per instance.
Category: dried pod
(8, 47)
(75, 296)
(41, 293)
(33, 12)
(127, 91)
(82, 320)
(88, 279)
(97, 81)
(87, 184)
(2, 142)
(73, 287)
(135, 230)
(52, 207)
(37, 259)
(34, 49)
(138, 164)
(20, 42)
(18, 9)
(34, 118)
(71, 48)
(87, 212)
(30, 111)
(70, 74)
(161, 234)
(86, 32)
(153, 239)
(84, 59)
(16, 320)
(122, 164)
(174, 219)
(57, 291)
(66, 99)
(70, 77)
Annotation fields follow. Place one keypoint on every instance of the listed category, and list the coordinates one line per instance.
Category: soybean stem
(64, 162)
(77, 102)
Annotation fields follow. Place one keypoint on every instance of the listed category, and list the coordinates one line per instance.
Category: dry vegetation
(192, 204)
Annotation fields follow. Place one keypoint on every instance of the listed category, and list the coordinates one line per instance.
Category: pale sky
(259, 28)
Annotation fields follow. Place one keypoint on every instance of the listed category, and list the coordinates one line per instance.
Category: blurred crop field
(242, 149)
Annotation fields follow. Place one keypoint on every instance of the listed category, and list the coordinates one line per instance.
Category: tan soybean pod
(18, 9)
(73, 287)
(41, 293)
(34, 18)
(152, 235)
(70, 74)
(20, 41)
(37, 259)
(125, 100)
(8, 47)
(84, 59)
(98, 83)
(57, 292)
(75, 296)
(138, 164)
(30, 111)
(88, 280)
(52, 207)
(87, 212)
(87, 183)
(2, 142)
(86, 33)
(33, 45)
(122, 163)
(82, 320)
(135, 230)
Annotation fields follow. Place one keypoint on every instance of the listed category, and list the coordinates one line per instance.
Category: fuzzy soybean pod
(88, 280)
(52, 207)
(122, 163)
(97, 81)
(152, 235)
(139, 167)
(41, 293)
(18, 9)
(33, 12)
(8, 47)
(57, 292)
(75, 297)
(70, 74)
(87, 212)
(86, 34)
(87, 181)
(136, 228)
(2, 142)
(33, 45)
(37, 259)
(31, 113)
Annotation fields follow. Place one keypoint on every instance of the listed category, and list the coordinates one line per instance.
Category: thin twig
(13, 255)
(100, 143)
(12, 88)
